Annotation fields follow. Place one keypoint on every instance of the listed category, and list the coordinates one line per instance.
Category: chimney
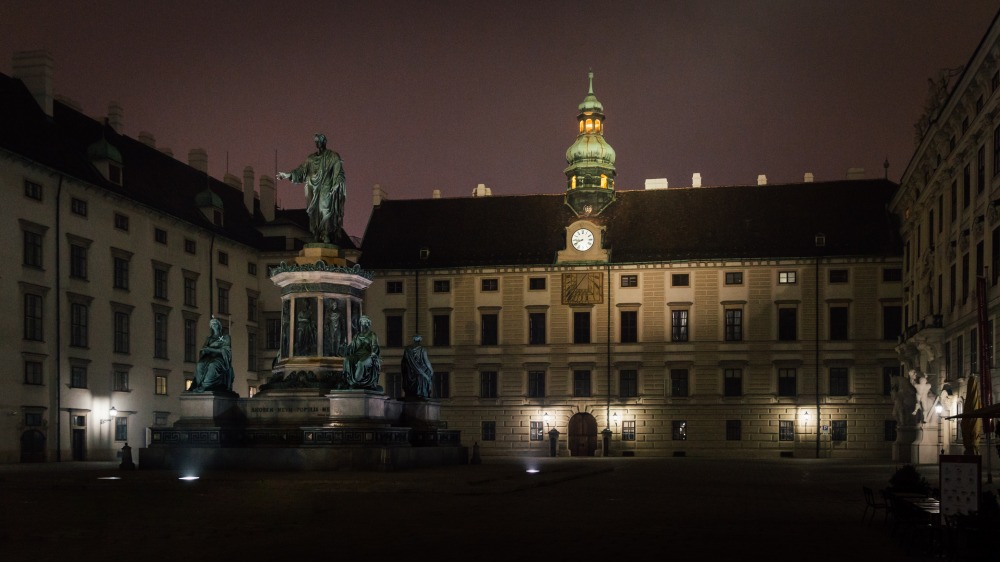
(436, 194)
(481, 191)
(855, 173)
(808, 178)
(116, 117)
(378, 194)
(198, 159)
(34, 68)
(231, 180)
(248, 188)
(696, 179)
(657, 183)
(761, 179)
(267, 197)
(147, 139)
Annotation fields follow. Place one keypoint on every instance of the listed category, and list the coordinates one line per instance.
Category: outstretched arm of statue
(283, 175)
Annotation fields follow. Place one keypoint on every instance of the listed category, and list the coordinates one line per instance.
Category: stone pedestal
(218, 408)
(927, 446)
(421, 413)
(358, 406)
(282, 407)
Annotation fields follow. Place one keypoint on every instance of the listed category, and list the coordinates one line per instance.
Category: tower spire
(590, 176)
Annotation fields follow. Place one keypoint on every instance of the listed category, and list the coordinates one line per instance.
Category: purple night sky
(422, 95)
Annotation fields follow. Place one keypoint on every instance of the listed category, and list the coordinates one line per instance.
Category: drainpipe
(58, 327)
(607, 421)
(820, 241)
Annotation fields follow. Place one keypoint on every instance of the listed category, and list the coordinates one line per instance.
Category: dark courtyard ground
(601, 508)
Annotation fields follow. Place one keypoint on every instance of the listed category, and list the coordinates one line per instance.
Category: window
(440, 385)
(536, 328)
(121, 222)
(251, 307)
(121, 380)
(581, 383)
(787, 278)
(223, 258)
(628, 385)
(159, 283)
(120, 273)
(160, 235)
(536, 384)
(786, 430)
(893, 371)
(190, 246)
(32, 190)
(732, 382)
(787, 382)
(33, 372)
(32, 419)
(630, 280)
(223, 302)
(78, 207)
(121, 332)
(679, 382)
(838, 276)
(79, 317)
(734, 278)
(488, 384)
(628, 430)
(734, 324)
(393, 331)
(34, 329)
(490, 285)
(839, 430)
(889, 430)
(679, 325)
(892, 275)
(489, 431)
(78, 376)
(537, 431)
(679, 430)
(32, 254)
(121, 428)
(892, 322)
(442, 286)
(190, 291)
(679, 280)
(160, 335)
(489, 329)
(394, 287)
(160, 384)
(251, 268)
(581, 327)
(734, 430)
(838, 323)
(787, 324)
(190, 340)
(629, 326)
(272, 332)
(441, 328)
(536, 283)
(78, 261)
(839, 381)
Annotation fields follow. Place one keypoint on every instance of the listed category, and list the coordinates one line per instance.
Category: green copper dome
(590, 175)
(104, 150)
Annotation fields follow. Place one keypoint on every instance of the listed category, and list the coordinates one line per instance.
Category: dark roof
(150, 177)
(675, 224)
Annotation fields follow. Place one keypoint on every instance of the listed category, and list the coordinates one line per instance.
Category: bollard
(475, 454)
(606, 434)
(127, 463)
(553, 441)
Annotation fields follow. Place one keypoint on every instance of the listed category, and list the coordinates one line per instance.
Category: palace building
(753, 321)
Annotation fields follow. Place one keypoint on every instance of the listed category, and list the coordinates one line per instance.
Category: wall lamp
(112, 414)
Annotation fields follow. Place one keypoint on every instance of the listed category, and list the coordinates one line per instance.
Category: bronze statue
(363, 359)
(325, 190)
(215, 363)
(417, 370)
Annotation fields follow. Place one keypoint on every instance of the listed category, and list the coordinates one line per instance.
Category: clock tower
(590, 176)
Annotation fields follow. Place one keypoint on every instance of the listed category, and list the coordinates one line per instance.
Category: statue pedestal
(902, 448)
(307, 406)
(358, 406)
(927, 446)
(421, 413)
(217, 408)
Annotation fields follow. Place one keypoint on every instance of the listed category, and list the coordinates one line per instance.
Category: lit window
(786, 430)
(537, 431)
(160, 384)
(786, 277)
(628, 430)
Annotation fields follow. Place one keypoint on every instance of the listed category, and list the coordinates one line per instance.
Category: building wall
(758, 408)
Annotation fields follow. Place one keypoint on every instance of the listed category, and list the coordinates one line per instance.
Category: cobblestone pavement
(610, 507)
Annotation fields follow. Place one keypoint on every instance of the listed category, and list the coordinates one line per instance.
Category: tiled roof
(676, 224)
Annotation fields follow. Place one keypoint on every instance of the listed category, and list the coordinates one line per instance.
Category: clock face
(582, 239)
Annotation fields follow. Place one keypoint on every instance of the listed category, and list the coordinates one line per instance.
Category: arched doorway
(32, 446)
(582, 435)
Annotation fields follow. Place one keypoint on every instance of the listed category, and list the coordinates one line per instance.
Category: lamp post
(553, 436)
(938, 409)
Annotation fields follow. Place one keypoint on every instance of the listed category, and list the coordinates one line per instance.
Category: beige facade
(628, 384)
(947, 205)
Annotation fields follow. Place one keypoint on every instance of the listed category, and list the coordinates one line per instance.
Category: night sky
(421, 95)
